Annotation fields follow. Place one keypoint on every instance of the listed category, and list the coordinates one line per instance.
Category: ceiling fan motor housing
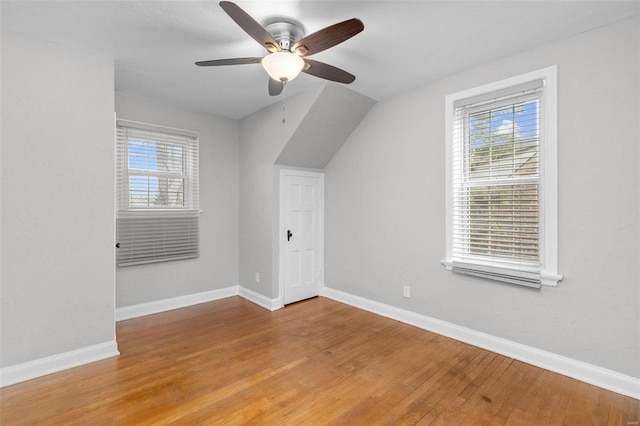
(286, 33)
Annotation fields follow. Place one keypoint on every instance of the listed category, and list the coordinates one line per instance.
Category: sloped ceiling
(336, 112)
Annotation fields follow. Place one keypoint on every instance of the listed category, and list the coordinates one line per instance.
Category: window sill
(547, 278)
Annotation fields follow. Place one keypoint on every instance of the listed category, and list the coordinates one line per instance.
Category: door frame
(281, 229)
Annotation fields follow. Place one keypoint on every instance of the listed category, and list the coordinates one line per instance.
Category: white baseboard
(260, 299)
(588, 373)
(134, 311)
(41, 367)
(52, 364)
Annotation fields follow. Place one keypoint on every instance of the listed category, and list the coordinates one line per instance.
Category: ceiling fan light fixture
(283, 66)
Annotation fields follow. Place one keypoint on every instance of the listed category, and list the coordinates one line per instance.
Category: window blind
(157, 193)
(496, 185)
(157, 237)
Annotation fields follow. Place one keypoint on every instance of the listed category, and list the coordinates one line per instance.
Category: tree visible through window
(502, 149)
(157, 174)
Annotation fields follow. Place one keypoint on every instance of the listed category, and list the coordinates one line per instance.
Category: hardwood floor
(315, 362)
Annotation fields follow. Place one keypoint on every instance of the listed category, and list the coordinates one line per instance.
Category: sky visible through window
(519, 120)
(143, 156)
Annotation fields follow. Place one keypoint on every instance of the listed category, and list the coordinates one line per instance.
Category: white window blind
(157, 190)
(496, 185)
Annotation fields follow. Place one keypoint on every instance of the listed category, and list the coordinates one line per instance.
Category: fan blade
(250, 26)
(234, 61)
(275, 87)
(328, 37)
(328, 72)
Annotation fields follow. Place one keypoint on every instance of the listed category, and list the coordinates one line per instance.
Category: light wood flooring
(315, 362)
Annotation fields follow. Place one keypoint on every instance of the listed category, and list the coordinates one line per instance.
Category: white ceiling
(404, 43)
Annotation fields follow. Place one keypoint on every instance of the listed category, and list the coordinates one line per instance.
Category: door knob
(289, 234)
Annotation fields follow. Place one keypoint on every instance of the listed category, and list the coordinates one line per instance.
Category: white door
(302, 234)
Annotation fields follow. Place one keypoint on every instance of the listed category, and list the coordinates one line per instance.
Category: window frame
(187, 166)
(547, 190)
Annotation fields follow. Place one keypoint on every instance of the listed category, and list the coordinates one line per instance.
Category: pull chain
(284, 108)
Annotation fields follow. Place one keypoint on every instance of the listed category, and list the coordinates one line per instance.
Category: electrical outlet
(406, 291)
(257, 277)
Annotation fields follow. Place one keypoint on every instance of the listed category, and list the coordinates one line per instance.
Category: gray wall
(217, 266)
(57, 221)
(263, 136)
(317, 124)
(385, 215)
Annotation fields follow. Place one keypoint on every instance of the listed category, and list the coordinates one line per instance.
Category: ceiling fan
(288, 48)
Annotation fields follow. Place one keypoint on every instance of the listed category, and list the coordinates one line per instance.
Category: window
(502, 180)
(157, 187)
